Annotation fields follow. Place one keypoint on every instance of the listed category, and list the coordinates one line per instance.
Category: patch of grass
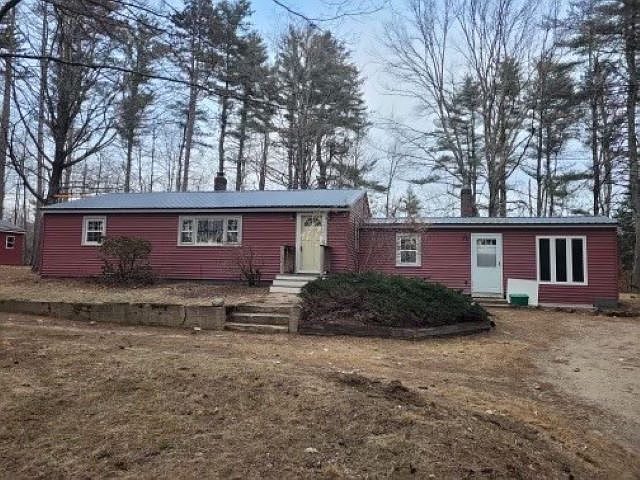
(386, 300)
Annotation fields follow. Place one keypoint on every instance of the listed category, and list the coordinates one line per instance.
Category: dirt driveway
(598, 362)
(93, 401)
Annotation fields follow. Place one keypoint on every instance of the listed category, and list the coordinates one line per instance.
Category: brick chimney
(220, 182)
(467, 208)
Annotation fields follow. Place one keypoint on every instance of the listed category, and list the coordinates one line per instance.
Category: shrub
(126, 261)
(385, 300)
(249, 269)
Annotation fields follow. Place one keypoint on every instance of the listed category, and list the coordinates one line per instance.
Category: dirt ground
(92, 401)
(20, 283)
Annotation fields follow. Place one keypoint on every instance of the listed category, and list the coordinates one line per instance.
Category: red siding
(445, 252)
(12, 256)
(64, 256)
(343, 236)
(446, 257)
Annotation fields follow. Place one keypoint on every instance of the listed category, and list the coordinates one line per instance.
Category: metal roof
(496, 221)
(10, 227)
(265, 199)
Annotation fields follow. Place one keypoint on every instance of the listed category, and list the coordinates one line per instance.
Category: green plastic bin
(519, 299)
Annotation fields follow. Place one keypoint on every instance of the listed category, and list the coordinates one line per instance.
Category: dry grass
(20, 283)
(95, 401)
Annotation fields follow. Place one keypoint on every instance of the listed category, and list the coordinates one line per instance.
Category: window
(562, 260)
(486, 252)
(94, 230)
(210, 231)
(10, 242)
(408, 250)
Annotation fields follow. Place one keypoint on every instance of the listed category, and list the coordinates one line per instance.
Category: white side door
(486, 263)
(310, 238)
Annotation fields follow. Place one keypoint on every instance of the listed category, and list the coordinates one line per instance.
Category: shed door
(311, 234)
(486, 263)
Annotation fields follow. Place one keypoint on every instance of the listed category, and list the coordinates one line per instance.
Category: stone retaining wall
(156, 314)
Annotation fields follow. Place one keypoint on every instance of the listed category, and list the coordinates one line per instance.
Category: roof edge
(196, 210)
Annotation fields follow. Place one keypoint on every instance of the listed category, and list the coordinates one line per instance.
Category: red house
(11, 244)
(292, 235)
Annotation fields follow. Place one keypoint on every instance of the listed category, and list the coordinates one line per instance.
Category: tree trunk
(631, 15)
(44, 70)
(127, 169)
(224, 117)
(6, 111)
(595, 160)
(540, 191)
(182, 184)
(322, 166)
(153, 158)
(263, 161)
(241, 141)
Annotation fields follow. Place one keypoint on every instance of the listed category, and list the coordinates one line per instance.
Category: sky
(363, 36)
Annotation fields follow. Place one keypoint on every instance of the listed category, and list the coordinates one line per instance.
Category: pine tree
(8, 42)
(410, 205)
(230, 39)
(459, 142)
(553, 105)
(141, 50)
(320, 90)
(194, 54)
(253, 80)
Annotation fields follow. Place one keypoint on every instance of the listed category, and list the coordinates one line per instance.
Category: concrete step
(263, 308)
(490, 299)
(259, 318)
(255, 328)
(294, 277)
(292, 290)
(289, 283)
(495, 304)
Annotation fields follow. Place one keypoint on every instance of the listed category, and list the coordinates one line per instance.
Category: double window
(562, 260)
(94, 229)
(10, 242)
(218, 230)
(408, 250)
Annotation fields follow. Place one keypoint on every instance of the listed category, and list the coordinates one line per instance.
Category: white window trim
(552, 259)
(418, 262)
(195, 219)
(6, 242)
(85, 222)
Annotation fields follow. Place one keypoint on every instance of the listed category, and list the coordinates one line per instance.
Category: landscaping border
(153, 314)
(359, 330)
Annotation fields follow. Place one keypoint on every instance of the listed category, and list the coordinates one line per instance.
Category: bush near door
(378, 300)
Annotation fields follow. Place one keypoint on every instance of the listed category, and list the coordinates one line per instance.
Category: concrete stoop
(492, 302)
(263, 318)
(291, 283)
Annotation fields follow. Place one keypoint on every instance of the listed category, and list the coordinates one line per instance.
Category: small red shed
(11, 244)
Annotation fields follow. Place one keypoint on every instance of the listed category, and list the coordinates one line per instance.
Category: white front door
(311, 236)
(486, 263)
